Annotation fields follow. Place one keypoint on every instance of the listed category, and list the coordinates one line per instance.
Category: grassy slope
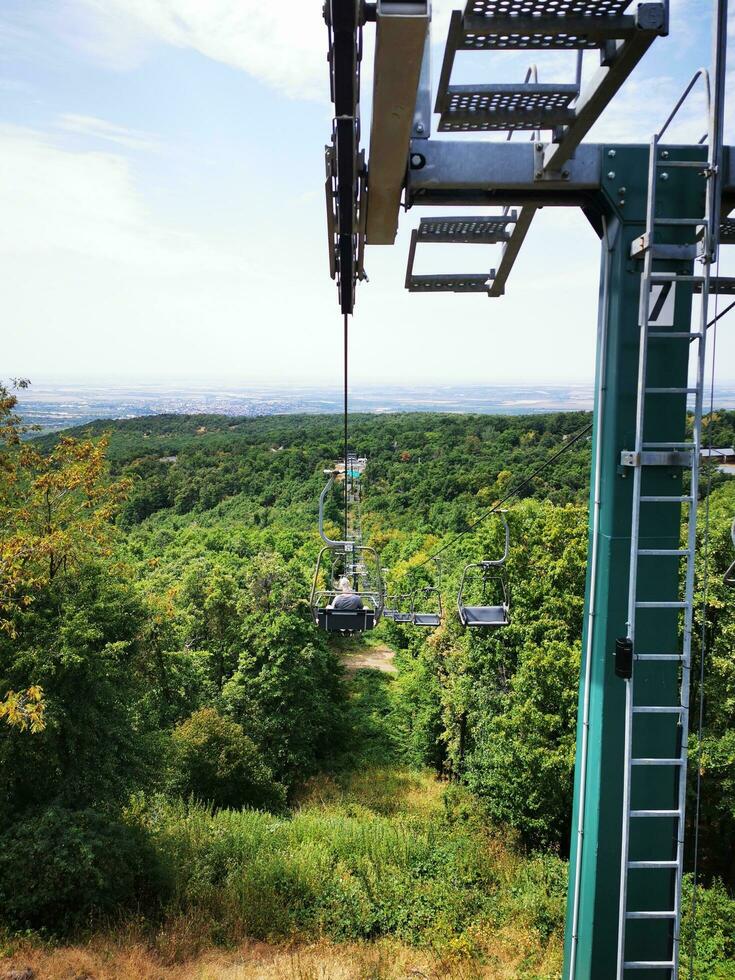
(380, 872)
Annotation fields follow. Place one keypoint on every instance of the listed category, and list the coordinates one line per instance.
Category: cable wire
(345, 343)
(511, 493)
(703, 631)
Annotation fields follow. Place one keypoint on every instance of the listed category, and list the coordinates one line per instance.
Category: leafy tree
(214, 761)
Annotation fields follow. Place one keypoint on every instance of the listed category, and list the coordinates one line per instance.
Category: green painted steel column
(591, 953)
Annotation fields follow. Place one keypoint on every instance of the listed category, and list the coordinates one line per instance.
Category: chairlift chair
(359, 563)
(403, 612)
(494, 583)
(390, 607)
(425, 598)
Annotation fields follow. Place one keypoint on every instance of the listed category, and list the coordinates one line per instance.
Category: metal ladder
(645, 455)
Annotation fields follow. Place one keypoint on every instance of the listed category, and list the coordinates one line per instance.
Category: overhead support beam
(489, 173)
(481, 172)
(621, 59)
(402, 30)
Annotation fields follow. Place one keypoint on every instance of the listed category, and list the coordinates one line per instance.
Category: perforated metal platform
(529, 8)
(448, 284)
(727, 231)
(485, 230)
(506, 107)
(530, 24)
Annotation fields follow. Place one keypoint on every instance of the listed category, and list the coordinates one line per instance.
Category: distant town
(58, 406)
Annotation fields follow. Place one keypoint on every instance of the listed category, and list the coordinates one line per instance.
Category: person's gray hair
(344, 584)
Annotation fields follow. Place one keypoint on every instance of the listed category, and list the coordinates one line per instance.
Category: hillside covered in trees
(183, 756)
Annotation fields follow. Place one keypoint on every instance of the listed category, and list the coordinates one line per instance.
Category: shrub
(215, 761)
(59, 868)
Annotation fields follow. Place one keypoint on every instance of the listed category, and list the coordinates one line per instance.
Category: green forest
(188, 764)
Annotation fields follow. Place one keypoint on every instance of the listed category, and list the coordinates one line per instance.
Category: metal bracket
(649, 458)
(639, 246)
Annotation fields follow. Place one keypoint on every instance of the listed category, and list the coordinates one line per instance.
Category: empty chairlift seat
(493, 609)
(426, 607)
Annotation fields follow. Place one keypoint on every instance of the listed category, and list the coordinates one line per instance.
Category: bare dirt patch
(378, 657)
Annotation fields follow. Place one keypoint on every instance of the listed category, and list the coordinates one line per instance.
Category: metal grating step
(448, 284)
(557, 8)
(722, 285)
(727, 231)
(484, 108)
(528, 24)
(485, 230)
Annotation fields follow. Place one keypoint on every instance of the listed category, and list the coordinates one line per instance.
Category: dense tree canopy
(154, 577)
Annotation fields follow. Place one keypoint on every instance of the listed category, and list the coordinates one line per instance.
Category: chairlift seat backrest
(346, 621)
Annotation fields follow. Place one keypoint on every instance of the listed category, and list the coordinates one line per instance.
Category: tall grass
(427, 874)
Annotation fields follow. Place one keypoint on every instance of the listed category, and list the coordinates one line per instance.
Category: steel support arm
(595, 98)
(399, 52)
(477, 172)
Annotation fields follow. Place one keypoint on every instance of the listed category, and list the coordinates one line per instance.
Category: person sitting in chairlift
(347, 598)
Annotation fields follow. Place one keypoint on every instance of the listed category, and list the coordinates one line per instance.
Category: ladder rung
(674, 335)
(665, 552)
(670, 500)
(680, 221)
(673, 277)
(671, 391)
(701, 164)
(653, 864)
(662, 605)
(668, 445)
(660, 657)
(666, 914)
(649, 965)
(655, 813)
(657, 709)
(657, 762)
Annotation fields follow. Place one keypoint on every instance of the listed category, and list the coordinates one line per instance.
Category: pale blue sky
(161, 174)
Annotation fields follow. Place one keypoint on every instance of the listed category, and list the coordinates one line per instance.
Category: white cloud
(86, 204)
(283, 45)
(101, 129)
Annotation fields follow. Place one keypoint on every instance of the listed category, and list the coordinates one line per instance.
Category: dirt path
(378, 657)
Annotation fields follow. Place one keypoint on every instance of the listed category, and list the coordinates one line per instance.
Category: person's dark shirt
(347, 600)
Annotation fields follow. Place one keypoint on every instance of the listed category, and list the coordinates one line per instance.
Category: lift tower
(661, 212)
